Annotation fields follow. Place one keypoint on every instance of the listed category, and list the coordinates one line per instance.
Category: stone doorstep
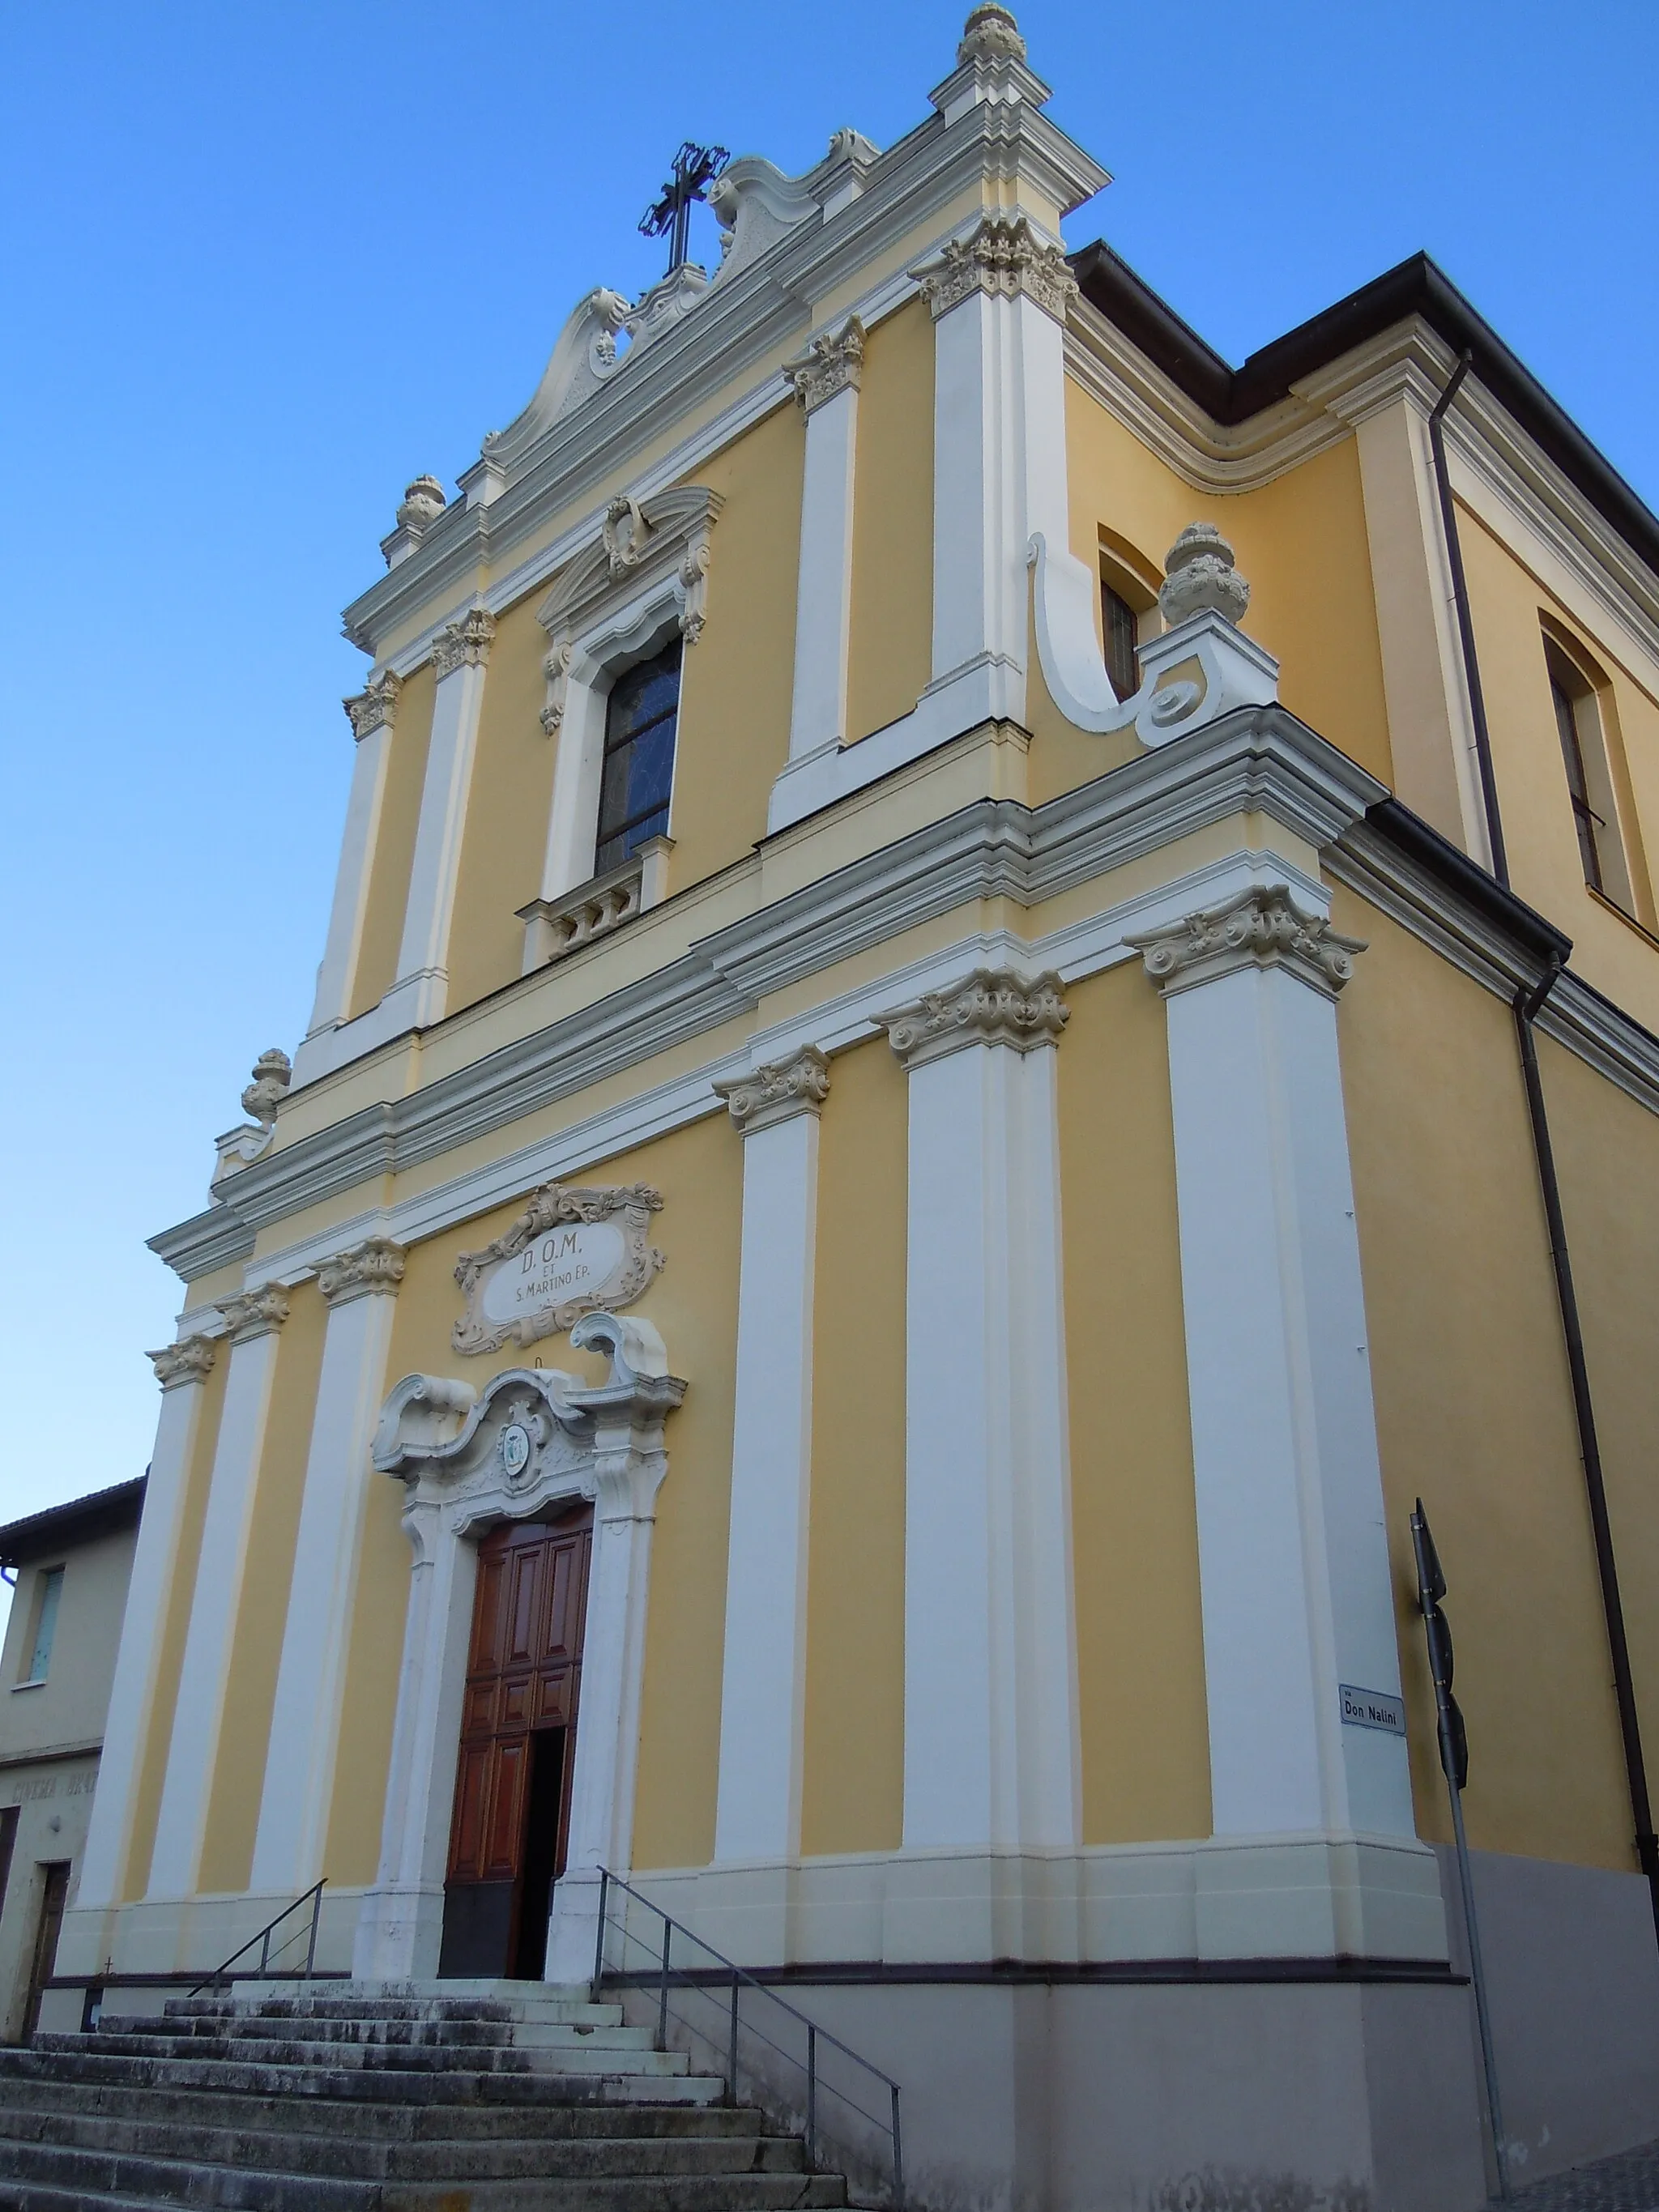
(345, 2086)
(620, 2052)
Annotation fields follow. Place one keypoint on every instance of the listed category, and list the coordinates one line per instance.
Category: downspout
(1527, 1006)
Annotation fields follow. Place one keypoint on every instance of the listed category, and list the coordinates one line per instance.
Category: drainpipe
(1527, 1004)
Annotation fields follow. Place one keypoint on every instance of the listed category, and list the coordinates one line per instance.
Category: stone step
(601, 2051)
(415, 2085)
(346, 2156)
(365, 2120)
(97, 2175)
(532, 2001)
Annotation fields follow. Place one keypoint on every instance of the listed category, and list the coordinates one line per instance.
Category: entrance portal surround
(532, 1439)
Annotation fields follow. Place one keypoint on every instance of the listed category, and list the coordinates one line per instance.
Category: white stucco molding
(254, 1313)
(375, 707)
(831, 363)
(190, 1360)
(777, 1092)
(530, 1440)
(993, 1006)
(1004, 256)
(1266, 929)
(373, 1269)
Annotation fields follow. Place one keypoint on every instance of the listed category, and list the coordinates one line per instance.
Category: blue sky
(261, 263)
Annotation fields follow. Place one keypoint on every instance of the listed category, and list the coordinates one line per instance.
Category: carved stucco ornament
(374, 1267)
(990, 34)
(273, 1072)
(831, 363)
(1199, 573)
(1003, 256)
(1263, 928)
(463, 644)
(375, 707)
(993, 1006)
(190, 1360)
(777, 1091)
(570, 1252)
(422, 502)
(254, 1313)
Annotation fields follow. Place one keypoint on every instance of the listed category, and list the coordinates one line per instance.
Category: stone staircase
(486, 2097)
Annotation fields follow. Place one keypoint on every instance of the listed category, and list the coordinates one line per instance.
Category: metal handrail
(740, 1978)
(314, 1898)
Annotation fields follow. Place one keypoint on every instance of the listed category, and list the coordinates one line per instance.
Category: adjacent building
(71, 1565)
(993, 987)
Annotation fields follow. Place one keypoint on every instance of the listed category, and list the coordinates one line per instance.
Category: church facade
(917, 1137)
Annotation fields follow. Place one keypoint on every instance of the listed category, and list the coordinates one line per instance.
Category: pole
(1454, 1765)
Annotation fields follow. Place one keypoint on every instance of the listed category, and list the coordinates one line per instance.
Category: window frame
(46, 1599)
(1580, 709)
(670, 649)
(1127, 580)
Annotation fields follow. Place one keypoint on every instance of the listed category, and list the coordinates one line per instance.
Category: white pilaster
(826, 377)
(459, 655)
(758, 1806)
(374, 714)
(990, 1698)
(998, 299)
(360, 1286)
(252, 1321)
(182, 1369)
(1293, 1559)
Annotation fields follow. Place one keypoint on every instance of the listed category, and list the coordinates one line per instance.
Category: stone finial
(375, 705)
(423, 501)
(372, 1267)
(1264, 928)
(990, 34)
(778, 1091)
(831, 363)
(190, 1360)
(463, 644)
(1199, 573)
(255, 1313)
(993, 1006)
(272, 1073)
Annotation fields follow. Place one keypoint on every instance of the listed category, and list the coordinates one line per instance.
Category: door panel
(509, 1830)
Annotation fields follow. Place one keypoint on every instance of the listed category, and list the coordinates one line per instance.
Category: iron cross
(695, 168)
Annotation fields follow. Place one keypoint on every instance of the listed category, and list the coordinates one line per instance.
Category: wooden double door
(517, 1748)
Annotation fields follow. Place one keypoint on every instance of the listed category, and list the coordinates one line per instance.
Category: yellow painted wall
(891, 649)
(1474, 1408)
(1301, 542)
(1506, 602)
(262, 1611)
(1140, 1652)
(734, 735)
(699, 1170)
(853, 1794)
(152, 1767)
(394, 845)
(507, 808)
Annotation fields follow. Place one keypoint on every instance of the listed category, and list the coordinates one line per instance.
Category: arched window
(1128, 611)
(1581, 725)
(641, 719)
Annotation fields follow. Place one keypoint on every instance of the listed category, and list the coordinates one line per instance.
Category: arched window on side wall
(642, 716)
(1129, 610)
(1582, 711)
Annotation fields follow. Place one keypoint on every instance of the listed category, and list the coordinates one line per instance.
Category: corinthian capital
(375, 1266)
(1004, 257)
(993, 1006)
(831, 363)
(375, 706)
(255, 1313)
(1264, 928)
(778, 1091)
(463, 644)
(190, 1360)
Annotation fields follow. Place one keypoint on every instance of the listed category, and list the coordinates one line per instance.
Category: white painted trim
(422, 977)
(310, 1695)
(338, 974)
(823, 598)
(133, 1686)
(1293, 1560)
(990, 1699)
(215, 1607)
(762, 1696)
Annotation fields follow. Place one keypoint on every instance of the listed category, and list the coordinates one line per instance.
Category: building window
(641, 718)
(1582, 729)
(50, 1587)
(1120, 628)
